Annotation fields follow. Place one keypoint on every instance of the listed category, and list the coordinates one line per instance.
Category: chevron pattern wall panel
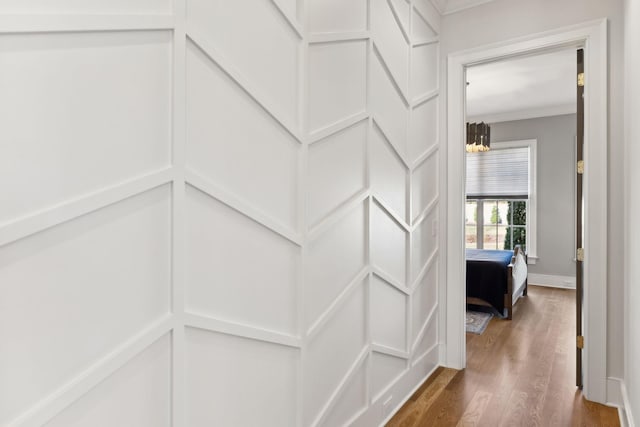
(217, 213)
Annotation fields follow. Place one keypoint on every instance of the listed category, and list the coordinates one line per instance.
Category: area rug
(477, 321)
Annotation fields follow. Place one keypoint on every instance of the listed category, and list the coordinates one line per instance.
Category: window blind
(498, 174)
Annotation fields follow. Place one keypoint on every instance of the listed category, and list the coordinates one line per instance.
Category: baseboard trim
(627, 416)
(614, 392)
(551, 281)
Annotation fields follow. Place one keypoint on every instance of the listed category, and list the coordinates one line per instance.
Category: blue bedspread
(487, 275)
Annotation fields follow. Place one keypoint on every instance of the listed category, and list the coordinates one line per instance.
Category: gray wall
(556, 183)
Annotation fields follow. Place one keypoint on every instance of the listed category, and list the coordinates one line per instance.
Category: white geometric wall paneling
(63, 285)
(425, 299)
(385, 370)
(425, 23)
(335, 261)
(84, 151)
(391, 40)
(117, 402)
(389, 110)
(89, 7)
(237, 270)
(225, 372)
(389, 174)
(85, 224)
(423, 135)
(333, 353)
(350, 402)
(389, 239)
(388, 316)
(424, 188)
(337, 170)
(229, 155)
(257, 202)
(424, 73)
(262, 46)
(424, 243)
(337, 82)
(336, 16)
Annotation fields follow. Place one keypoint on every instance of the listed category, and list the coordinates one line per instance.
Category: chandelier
(478, 137)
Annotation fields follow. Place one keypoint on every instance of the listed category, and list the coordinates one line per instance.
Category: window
(500, 208)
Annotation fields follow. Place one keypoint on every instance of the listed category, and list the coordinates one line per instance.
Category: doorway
(592, 37)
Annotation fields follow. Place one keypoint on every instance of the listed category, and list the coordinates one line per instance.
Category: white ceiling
(521, 88)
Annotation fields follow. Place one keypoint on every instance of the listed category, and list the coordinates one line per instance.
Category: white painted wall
(632, 240)
(555, 188)
(507, 19)
(226, 217)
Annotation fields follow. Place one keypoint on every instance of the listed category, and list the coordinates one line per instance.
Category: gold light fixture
(478, 137)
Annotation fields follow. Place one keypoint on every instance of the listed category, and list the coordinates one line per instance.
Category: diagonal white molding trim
(337, 214)
(425, 213)
(320, 134)
(53, 404)
(387, 71)
(81, 205)
(338, 302)
(425, 42)
(240, 205)
(396, 17)
(291, 21)
(425, 269)
(200, 42)
(425, 156)
(396, 218)
(424, 98)
(381, 274)
(423, 328)
(380, 127)
(211, 324)
(316, 38)
(383, 349)
(362, 357)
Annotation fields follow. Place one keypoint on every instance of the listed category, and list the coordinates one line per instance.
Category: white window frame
(532, 205)
(480, 225)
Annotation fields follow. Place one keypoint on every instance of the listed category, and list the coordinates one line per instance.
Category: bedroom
(521, 185)
(522, 191)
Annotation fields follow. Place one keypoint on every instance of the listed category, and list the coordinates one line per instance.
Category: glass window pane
(471, 213)
(491, 213)
(501, 237)
(519, 212)
(520, 237)
(490, 240)
(471, 236)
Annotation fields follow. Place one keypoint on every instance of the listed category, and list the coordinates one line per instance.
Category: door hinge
(580, 167)
(580, 254)
(580, 79)
(580, 341)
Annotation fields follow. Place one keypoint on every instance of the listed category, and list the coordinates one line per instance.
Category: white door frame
(593, 37)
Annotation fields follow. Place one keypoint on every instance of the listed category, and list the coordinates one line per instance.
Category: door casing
(592, 37)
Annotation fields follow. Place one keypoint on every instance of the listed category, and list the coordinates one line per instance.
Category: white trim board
(533, 113)
(592, 36)
(552, 281)
(626, 415)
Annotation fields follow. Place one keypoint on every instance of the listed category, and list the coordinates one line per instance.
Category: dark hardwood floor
(519, 373)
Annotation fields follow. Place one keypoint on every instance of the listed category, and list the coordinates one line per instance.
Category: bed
(496, 278)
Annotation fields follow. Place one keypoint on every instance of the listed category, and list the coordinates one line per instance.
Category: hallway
(518, 373)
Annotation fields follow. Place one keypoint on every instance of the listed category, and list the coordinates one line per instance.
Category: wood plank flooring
(519, 373)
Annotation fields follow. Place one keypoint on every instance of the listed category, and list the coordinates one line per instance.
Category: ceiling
(522, 88)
